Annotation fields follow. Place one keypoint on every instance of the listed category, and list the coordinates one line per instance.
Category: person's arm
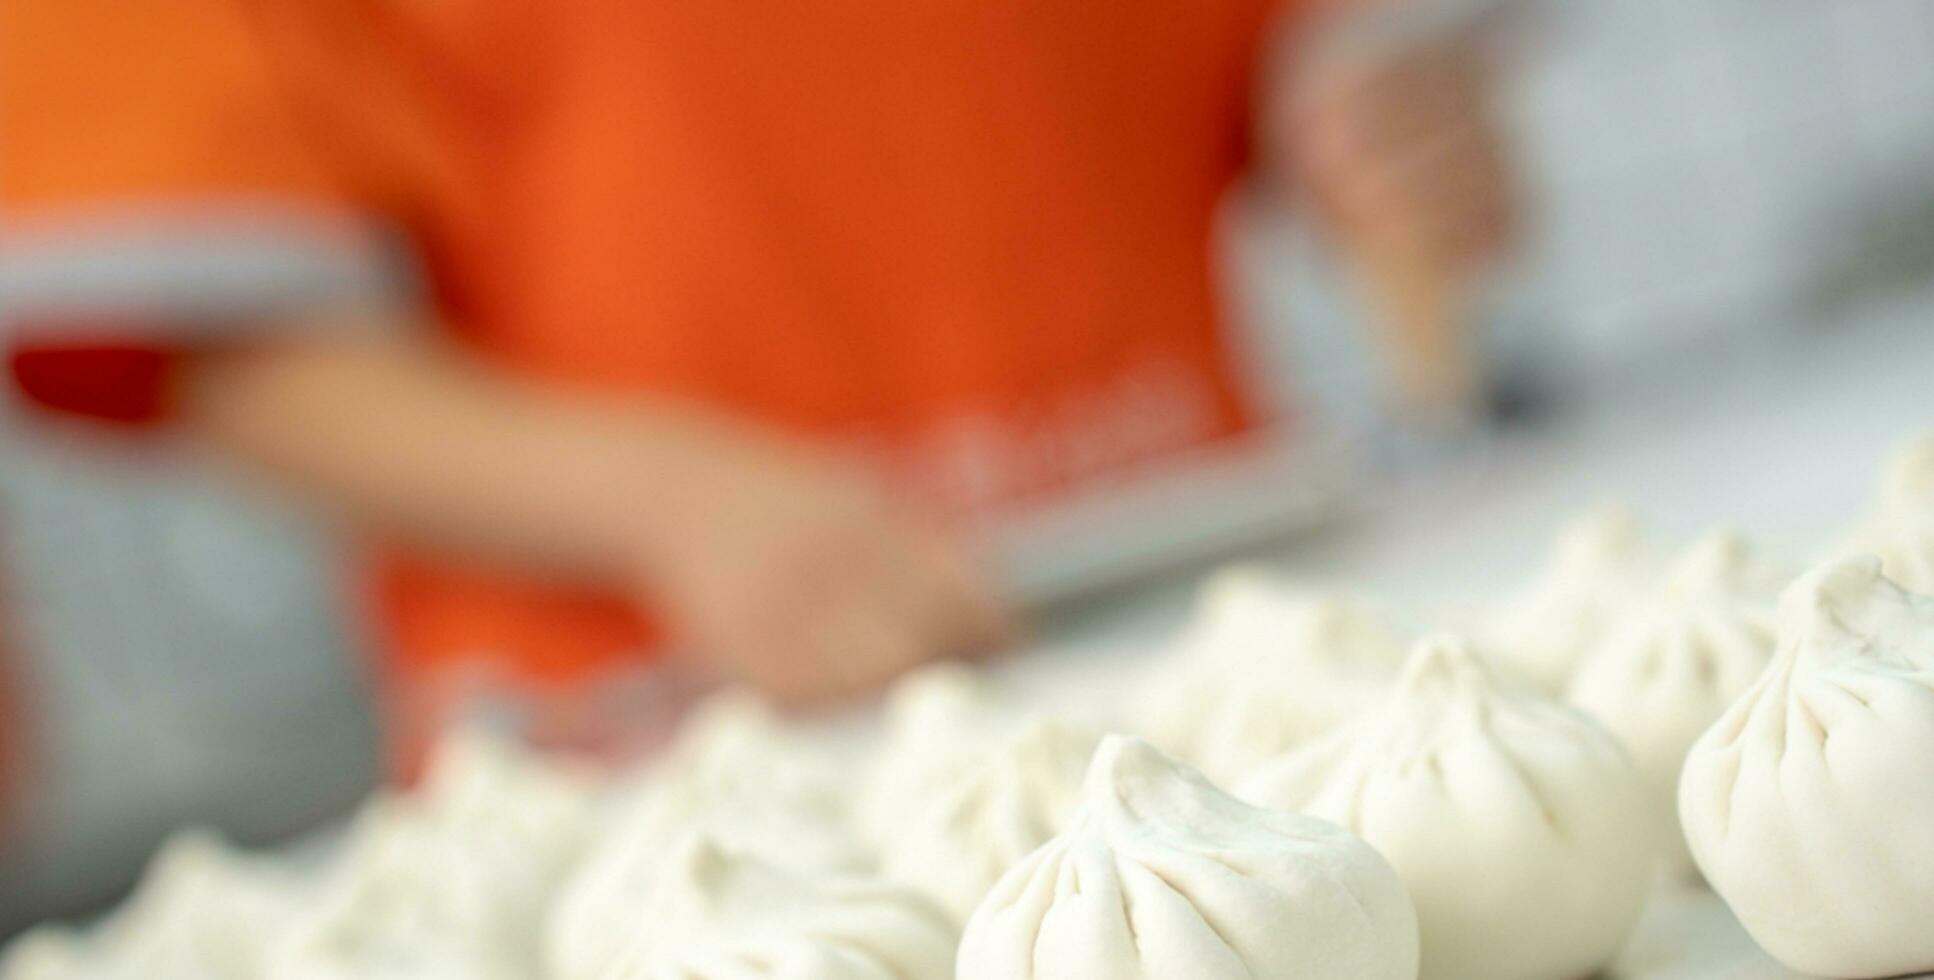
(784, 566)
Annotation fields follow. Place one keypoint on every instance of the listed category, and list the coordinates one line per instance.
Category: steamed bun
(202, 911)
(1160, 874)
(734, 771)
(413, 901)
(736, 743)
(1236, 612)
(1672, 666)
(1519, 827)
(957, 843)
(938, 722)
(1808, 804)
(450, 880)
(1599, 565)
(1263, 666)
(1901, 528)
(722, 915)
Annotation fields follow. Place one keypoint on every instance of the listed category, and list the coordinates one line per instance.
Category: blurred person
(732, 314)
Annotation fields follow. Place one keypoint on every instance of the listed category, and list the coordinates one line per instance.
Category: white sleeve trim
(182, 269)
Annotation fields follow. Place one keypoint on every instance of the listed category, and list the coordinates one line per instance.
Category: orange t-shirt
(968, 237)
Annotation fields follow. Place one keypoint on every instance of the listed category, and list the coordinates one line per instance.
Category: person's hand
(1401, 150)
(789, 571)
(1408, 170)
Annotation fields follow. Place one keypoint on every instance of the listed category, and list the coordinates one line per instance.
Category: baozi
(411, 898)
(450, 880)
(957, 843)
(202, 910)
(1519, 827)
(1264, 666)
(735, 743)
(1672, 666)
(938, 722)
(1901, 528)
(1808, 804)
(721, 915)
(1236, 612)
(1599, 564)
(732, 771)
(1161, 875)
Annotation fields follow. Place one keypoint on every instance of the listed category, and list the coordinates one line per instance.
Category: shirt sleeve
(159, 189)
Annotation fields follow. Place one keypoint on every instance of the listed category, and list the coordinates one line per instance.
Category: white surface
(1687, 934)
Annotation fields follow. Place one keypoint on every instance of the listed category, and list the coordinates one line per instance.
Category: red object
(121, 383)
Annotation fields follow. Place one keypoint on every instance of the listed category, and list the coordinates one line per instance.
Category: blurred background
(1722, 194)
